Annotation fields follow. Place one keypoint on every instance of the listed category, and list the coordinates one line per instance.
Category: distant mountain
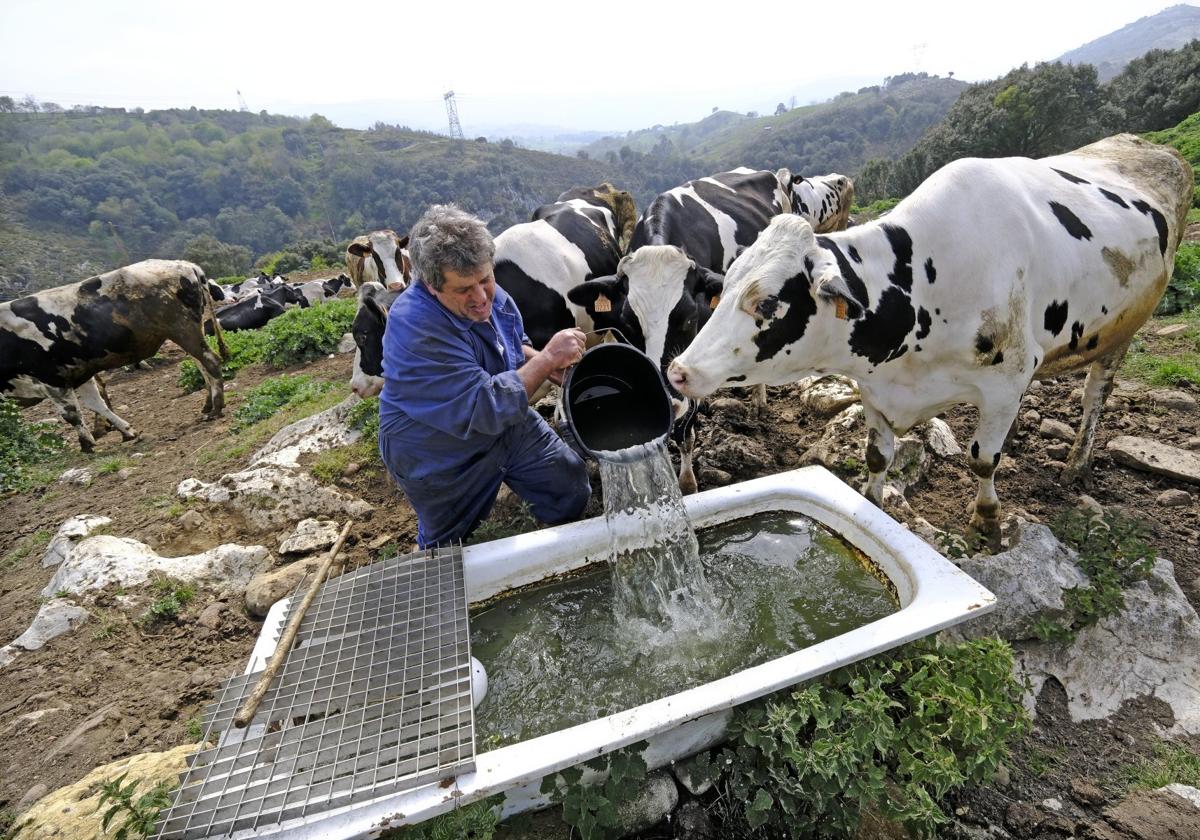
(839, 135)
(1170, 29)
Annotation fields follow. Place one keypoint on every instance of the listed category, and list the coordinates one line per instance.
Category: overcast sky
(603, 66)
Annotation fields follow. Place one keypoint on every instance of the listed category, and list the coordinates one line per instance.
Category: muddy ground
(116, 687)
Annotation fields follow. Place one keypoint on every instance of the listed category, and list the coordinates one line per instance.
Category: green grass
(331, 463)
(108, 466)
(26, 546)
(173, 597)
(28, 451)
(1170, 361)
(277, 393)
(1172, 764)
(254, 436)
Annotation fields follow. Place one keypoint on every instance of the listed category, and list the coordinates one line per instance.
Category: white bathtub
(933, 594)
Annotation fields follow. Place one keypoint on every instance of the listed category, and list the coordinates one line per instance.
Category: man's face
(468, 294)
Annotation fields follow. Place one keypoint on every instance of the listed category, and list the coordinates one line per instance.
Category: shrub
(140, 814)
(274, 394)
(22, 445)
(892, 735)
(296, 336)
(1183, 292)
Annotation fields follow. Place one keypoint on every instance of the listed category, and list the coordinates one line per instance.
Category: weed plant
(138, 815)
(22, 446)
(891, 735)
(277, 393)
(1172, 764)
(173, 596)
(1114, 555)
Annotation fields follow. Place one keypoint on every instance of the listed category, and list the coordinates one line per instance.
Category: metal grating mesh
(374, 697)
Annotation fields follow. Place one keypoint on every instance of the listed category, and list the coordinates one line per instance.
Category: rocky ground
(115, 686)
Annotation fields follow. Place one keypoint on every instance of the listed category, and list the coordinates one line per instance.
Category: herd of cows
(993, 273)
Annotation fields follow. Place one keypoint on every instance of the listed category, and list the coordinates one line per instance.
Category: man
(454, 415)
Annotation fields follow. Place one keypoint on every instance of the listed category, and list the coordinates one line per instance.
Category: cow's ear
(358, 249)
(832, 289)
(711, 285)
(597, 295)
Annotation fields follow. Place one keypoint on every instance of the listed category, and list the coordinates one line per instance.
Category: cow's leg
(881, 446)
(210, 368)
(984, 457)
(759, 400)
(687, 475)
(92, 397)
(67, 404)
(1096, 389)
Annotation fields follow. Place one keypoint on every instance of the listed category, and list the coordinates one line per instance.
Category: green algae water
(558, 654)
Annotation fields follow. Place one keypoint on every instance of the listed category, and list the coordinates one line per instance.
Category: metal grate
(374, 697)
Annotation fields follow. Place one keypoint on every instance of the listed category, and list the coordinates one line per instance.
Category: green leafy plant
(138, 815)
(1114, 555)
(476, 821)
(591, 809)
(194, 729)
(892, 735)
(108, 466)
(173, 597)
(23, 445)
(274, 394)
(1183, 292)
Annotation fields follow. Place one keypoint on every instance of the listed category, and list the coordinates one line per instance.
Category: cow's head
(768, 327)
(823, 200)
(331, 287)
(657, 299)
(374, 301)
(384, 251)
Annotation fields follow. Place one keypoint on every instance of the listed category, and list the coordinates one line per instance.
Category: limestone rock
(55, 618)
(1174, 498)
(69, 533)
(1058, 450)
(77, 475)
(310, 535)
(74, 810)
(192, 520)
(1158, 458)
(1056, 429)
(827, 395)
(842, 437)
(267, 588)
(692, 821)
(1154, 815)
(940, 438)
(1149, 649)
(1172, 329)
(326, 430)
(210, 617)
(101, 560)
(657, 798)
(270, 497)
(347, 345)
(691, 773)
(1174, 400)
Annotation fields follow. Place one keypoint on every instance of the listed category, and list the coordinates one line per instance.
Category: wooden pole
(246, 713)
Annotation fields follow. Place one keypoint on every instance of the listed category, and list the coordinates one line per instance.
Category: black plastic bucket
(615, 398)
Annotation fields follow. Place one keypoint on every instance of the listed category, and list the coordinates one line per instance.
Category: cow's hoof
(986, 533)
(130, 435)
(688, 485)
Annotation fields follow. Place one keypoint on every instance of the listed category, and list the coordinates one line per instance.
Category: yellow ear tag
(712, 304)
(839, 308)
(603, 304)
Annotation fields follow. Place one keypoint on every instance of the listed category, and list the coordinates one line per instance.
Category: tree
(780, 109)
(1158, 90)
(217, 258)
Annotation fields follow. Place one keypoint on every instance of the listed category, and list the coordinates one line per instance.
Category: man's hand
(564, 349)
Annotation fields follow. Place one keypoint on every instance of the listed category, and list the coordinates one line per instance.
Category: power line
(456, 132)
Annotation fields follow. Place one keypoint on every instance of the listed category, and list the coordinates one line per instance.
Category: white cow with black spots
(991, 274)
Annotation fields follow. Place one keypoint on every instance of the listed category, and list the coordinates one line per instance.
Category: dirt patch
(114, 687)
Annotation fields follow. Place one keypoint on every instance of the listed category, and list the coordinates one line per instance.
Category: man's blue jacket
(450, 383)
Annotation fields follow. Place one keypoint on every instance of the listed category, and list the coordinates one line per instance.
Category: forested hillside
(1170, 29)
(836, 136)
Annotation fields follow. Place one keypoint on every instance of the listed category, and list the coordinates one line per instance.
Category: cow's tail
(211, 315)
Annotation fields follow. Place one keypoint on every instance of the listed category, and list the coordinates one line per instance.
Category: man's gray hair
(446, 237)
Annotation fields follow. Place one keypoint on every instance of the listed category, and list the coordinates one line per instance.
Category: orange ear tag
(712, 304)
(839, 308)
(603, 304)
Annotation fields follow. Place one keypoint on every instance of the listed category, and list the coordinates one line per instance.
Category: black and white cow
(379, 257)
(253, 312)
(54, 341)
(318, 291)
(991, 274)
(663, 289)
(91, 395)
(569, 242)
(823, 200)
(374, 301)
